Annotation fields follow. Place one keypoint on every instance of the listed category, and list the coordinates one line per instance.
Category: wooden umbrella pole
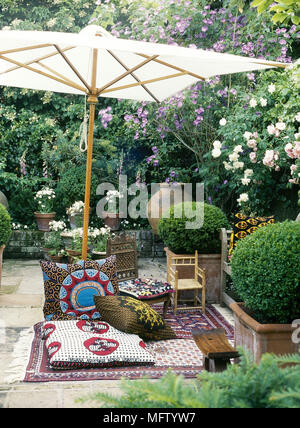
(92, 101)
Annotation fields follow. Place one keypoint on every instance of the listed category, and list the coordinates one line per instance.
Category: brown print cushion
(69, 288)
(134, 317)
(244, 226)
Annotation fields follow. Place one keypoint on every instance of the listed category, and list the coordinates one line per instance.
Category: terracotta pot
(56, 259)
(72, 254)
(261, 338)
(167, 196)
(1, 259)
(212, 265)
(113, 221)
(46, 253)
(43, 220)
(98, 255)
(76, 220)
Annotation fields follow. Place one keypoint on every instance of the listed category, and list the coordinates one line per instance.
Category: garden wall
(27, 244)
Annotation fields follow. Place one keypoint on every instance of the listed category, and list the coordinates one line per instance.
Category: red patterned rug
(181, 354)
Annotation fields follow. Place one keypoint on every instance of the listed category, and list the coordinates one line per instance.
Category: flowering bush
(45, 200)
(260, 144)
(76, 208)
(99, 238)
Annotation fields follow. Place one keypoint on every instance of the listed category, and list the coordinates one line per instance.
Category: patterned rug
(181, 354)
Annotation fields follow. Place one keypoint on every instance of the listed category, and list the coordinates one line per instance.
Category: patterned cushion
(69, 288)
(86, 344)
(133, 316)
(145, 288)
(244, 226)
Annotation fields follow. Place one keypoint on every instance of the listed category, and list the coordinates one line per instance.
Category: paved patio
(21, 303)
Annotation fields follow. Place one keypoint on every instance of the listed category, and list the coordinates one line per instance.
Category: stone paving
(21, 303)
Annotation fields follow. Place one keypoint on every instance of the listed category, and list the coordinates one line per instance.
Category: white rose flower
(246, 181)
(297, 117)
(253, 103)
(223, 122)
(263, 102)
(248, 172)
(281, 126)
(271, 88)
(227, 166)
(248, 135)
(243, 198)
(238, 149)
(238, 165)
(216, 153)
(233, 157)
(217, 144)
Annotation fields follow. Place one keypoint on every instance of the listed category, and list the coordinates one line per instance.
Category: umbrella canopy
(96, 64)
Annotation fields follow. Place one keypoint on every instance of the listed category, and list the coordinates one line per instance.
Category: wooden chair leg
(175, 302)
(203, 300)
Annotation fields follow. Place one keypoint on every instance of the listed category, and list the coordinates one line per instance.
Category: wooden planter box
(261, 338)
(212, 265)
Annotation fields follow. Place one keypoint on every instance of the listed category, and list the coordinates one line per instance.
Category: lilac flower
(155, 162)
(210, 200)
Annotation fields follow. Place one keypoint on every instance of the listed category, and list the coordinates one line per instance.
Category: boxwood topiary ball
(205, 238)
(5, 225)
(266, 272)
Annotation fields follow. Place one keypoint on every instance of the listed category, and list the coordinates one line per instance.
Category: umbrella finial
(95, 30)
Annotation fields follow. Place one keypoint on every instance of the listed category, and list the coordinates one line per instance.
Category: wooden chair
(123, 246)
(181, 284)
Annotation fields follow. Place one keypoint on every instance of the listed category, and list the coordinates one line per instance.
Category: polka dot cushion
(86, 344)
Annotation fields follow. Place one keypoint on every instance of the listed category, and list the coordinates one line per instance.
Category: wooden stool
(215, 347)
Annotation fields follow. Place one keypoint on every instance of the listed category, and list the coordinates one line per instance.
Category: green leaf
(256, 3)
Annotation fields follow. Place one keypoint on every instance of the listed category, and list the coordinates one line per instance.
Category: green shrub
(5, 225)
(246, 385)
(266, 274)
(71, 188)
(205, 239)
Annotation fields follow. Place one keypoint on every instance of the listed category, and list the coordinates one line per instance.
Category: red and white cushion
(86, 344)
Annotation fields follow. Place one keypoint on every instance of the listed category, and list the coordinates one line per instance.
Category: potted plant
(5, 232)
(98, 242)
(75, 214)
(265, 273)
(205, 238)
(112, 218)
(54, 246)
(44, 214)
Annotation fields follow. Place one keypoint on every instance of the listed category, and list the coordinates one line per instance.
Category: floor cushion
(146, 288)
(78, 344)
(69, 288)
(133, 316)
(245, 225)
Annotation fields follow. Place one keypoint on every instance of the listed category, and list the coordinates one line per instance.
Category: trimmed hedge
(205, 238)
(266, 272)
(5, 225)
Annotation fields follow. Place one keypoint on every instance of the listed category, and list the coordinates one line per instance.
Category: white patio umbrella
(96, 64)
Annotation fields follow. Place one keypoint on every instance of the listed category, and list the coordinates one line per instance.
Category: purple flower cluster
(139, 120)
(153, 158)
(106, 116)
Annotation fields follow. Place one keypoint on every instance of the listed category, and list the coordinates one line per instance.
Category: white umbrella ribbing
(96, 64)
